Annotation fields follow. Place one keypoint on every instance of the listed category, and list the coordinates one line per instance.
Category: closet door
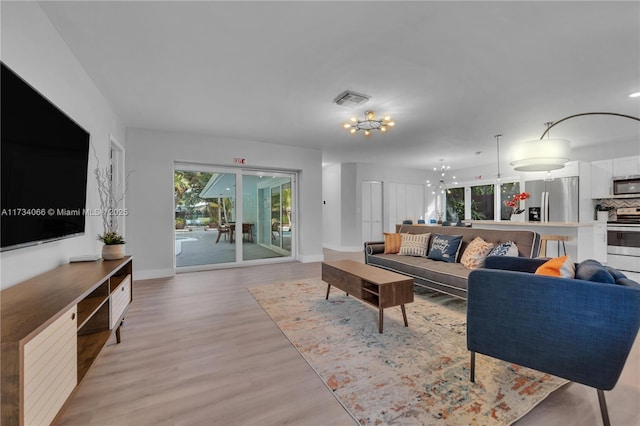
(372, 211)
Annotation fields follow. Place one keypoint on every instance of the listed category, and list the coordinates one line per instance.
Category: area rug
(416, 375)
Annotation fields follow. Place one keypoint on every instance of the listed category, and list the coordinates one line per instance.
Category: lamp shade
(540, 155)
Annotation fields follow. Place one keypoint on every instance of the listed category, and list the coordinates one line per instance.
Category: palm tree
(180, 186)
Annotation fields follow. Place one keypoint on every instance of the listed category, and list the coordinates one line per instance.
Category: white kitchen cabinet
(601, 179)
(626, 166)
(600, 242)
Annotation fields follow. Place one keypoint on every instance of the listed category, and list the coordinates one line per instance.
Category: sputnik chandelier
(369, 123)
(441, 186)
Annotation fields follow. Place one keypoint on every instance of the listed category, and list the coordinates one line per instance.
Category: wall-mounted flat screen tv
(44, 159)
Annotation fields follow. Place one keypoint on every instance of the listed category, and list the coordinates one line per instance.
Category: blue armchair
(576, 329)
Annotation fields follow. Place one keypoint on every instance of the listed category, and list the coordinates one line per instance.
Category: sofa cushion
(558, 267)
(423, 269)
(592, 270)
(445, 247)
(475, 253)
(628, 282)
(414, 245)
(392, 242)
(505, 249)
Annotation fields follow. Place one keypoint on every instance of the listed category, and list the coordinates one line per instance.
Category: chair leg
(603, 408)
(473, 367)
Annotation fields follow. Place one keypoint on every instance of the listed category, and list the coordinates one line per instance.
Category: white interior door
(372, 211)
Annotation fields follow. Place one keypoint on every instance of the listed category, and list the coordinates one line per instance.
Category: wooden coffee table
(376, 286)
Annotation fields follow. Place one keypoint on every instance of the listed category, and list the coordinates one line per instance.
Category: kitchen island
(587, 240)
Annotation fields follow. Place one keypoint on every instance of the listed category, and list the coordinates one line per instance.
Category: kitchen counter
(480, 223)
(587, 240)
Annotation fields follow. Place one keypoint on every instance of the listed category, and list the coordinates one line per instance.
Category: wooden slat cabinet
(53, 327)
(120, 298)
(50, 369)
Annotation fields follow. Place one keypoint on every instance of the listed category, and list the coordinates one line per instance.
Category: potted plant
(114, 243)
(180, 223)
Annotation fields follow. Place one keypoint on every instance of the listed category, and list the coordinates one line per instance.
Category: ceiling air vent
(349, 98)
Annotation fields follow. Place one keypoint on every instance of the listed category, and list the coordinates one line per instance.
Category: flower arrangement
(515, 202)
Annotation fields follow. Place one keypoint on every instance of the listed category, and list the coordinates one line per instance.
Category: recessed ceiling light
(635, 95)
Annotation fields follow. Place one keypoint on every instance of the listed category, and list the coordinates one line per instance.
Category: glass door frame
(283, 180)
(238, 213)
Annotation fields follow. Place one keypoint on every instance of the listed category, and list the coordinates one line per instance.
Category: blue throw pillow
(592, 270)
(505, 249)
(445, 247)
(615, 273)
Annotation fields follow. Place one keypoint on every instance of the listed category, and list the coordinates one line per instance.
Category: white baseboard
(311, 258)
(152, 273)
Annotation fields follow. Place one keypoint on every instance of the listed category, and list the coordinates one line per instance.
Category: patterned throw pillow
(392, 243)
(558, 267)
(445, 247)
(414, 245)
(505, 249)
(475, 253)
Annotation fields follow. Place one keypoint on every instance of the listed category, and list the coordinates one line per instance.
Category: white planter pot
(517, 217)
(113, 251)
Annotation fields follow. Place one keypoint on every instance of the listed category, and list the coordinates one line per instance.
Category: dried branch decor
(109, 201)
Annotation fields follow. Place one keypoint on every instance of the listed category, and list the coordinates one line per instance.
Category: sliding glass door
(226, 216)
(268, 210)
(204, 211)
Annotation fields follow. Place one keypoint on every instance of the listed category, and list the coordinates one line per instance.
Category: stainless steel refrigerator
(556, 198)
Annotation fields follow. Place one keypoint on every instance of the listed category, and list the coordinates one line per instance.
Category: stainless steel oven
(623, 240)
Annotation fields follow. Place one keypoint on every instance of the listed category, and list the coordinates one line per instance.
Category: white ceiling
(451, 74)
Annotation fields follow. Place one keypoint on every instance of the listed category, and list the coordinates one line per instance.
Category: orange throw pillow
(392, 243)
(558, 267)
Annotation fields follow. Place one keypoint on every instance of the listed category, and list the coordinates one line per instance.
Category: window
(482, 202)
(507, 191)
(455, 204)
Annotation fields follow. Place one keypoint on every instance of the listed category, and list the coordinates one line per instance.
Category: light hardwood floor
(197, 349)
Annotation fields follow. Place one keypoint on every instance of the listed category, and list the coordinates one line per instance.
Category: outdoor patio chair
(222, 229)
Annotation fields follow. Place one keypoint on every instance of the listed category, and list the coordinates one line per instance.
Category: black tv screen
(44, 160)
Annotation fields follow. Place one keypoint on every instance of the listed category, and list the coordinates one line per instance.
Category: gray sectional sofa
(442, 276)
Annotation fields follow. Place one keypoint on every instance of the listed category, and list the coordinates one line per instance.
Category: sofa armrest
(579, 330)
(373, 247)
(510, 263)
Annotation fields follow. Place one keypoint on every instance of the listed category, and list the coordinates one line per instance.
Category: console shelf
(62, 317)
(89, 346)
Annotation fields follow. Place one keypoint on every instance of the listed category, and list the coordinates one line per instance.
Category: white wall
(151, 155)
(34, 50)
(343, 193)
